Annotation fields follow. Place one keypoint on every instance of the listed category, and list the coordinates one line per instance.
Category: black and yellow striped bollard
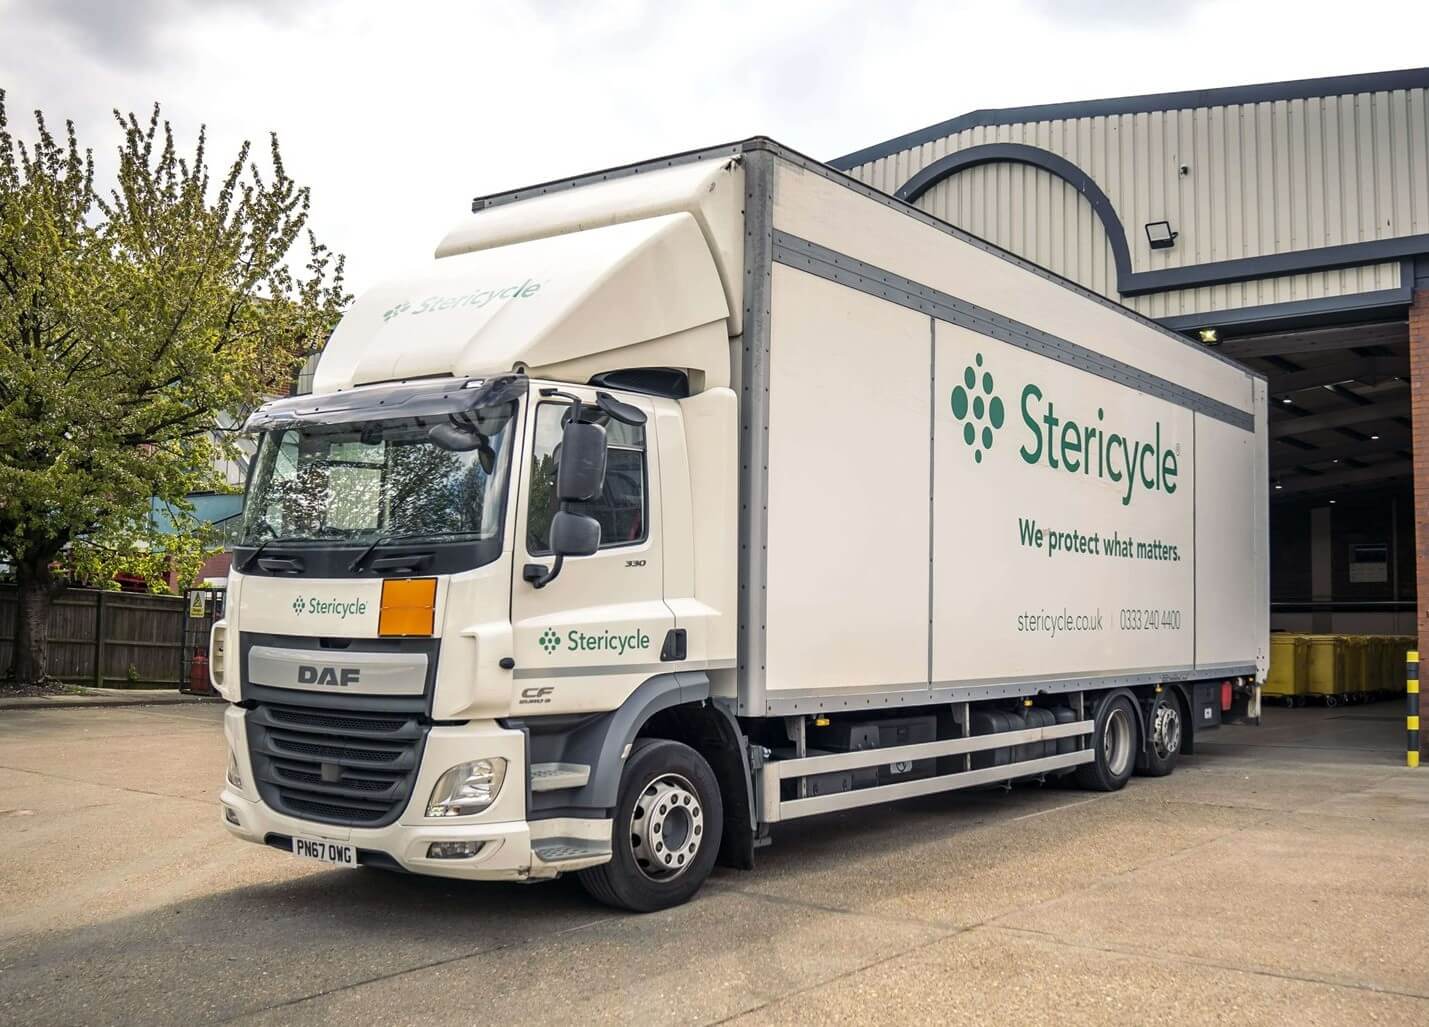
(1411, 719)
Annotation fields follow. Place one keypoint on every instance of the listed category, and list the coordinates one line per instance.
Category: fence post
(1411, 719)
(99, 639)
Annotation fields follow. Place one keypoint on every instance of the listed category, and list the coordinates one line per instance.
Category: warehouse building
(1286, 224)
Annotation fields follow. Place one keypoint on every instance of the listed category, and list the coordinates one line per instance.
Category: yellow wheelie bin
(1355, 652)
(1325, 678)
(1288, 679)
(1376, 653)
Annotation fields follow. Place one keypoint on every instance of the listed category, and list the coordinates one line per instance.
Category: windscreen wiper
(280, 539)
(385, 540)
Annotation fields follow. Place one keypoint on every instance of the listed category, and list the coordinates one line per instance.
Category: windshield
(432, 478)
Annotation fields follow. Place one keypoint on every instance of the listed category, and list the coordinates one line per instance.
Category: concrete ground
(96, 697)
(1281, 876)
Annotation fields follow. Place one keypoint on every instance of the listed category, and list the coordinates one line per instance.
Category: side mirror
(581, 475)
(574, 534)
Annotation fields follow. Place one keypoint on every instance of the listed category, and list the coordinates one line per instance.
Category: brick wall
(1419, 402)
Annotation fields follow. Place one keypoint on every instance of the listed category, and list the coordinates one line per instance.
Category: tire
(1162, 729)
(667, 790)
(1114, 743)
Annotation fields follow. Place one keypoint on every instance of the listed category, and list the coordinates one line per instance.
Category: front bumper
(506, 852)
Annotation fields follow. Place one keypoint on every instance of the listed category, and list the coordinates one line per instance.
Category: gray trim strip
(1296, 89)
(849, 271)
(932, 476)
(688, 667)
(557, 185)
(894, 696)
(525, 673)
(754, 429)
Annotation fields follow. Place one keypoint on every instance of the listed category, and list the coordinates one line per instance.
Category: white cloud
(398, 115)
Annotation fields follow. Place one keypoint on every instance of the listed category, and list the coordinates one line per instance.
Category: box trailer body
(882, 510)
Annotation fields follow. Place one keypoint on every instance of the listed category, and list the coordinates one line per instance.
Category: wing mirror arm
(539, 575)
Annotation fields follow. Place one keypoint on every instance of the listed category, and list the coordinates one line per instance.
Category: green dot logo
(549, 641)
(978, 408)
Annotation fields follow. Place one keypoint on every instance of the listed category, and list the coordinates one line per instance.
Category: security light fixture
(1160, 236)
(1209, 336)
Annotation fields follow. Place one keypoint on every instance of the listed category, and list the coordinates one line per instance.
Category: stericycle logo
(587, 641)
(1063, 443)
(478, 298)
(968, 399)
(340, 608)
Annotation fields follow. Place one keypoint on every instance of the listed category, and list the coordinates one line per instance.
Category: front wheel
(666, 831)
(1114, 745)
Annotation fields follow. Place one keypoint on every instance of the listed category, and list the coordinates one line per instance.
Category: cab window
(620, 508)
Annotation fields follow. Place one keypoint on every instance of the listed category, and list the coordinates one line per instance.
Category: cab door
(592, 635)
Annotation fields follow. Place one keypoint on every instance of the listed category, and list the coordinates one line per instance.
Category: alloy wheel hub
(1166, 730)
(666, 828)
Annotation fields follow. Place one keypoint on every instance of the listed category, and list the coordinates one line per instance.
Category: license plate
(338, 853)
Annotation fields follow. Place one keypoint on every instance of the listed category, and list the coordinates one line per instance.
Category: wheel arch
(712, 731)
(602, 742)
(1188, 723)
(1138, 705)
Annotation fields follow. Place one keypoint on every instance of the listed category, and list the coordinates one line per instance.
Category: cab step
(570, 850)
(552, 777)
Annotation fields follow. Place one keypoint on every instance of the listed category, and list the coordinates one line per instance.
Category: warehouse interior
(1341, 463)
(1284, 224)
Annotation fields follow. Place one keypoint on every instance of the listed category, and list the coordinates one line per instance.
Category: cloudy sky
(397, 114)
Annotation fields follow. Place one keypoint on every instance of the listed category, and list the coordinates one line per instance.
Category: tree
(129, 319)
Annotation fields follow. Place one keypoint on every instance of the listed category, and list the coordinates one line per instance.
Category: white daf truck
(677, 501)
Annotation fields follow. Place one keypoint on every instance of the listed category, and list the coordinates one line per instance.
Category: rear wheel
(1163, 737)
(1114, 743)
(666, 830)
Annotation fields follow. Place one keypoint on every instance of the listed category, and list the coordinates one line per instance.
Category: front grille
(336, 721)
(351, 768)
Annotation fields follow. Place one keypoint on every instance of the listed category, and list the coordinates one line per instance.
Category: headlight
(467, 788)
(234, 777)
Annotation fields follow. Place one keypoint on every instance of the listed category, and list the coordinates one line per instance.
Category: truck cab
(441, 640)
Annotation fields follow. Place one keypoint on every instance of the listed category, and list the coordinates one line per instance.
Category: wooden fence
(108, 639)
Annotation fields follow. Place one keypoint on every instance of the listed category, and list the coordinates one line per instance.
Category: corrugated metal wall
(1261, 178)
